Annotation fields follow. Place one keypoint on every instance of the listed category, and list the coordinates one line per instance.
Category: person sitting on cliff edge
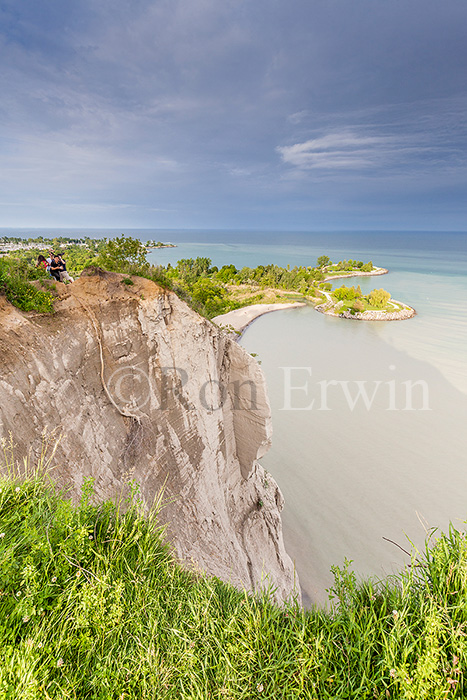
(64, 275)
(42, 263)
(56, 267)
(58, 270)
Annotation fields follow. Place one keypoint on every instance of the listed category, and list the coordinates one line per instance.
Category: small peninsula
(312, 286)
(150, 245)
(350, 302)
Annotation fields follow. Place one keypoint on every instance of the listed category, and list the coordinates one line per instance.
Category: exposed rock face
(201, 417)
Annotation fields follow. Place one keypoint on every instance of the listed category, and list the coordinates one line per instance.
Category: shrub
(19, 291)
(358, 306)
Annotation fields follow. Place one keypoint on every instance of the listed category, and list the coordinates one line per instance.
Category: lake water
(353, 473)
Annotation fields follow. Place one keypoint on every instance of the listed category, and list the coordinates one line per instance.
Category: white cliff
(142, 388)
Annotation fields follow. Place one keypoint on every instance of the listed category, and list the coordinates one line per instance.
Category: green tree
(208, 295)
(342, 293)
(379, 298)
(227, 273)
(323, 260)
(122, 252)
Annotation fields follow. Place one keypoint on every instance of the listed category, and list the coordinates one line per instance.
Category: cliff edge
(141, 387)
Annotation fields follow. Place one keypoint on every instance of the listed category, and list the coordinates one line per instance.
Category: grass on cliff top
(93, 605)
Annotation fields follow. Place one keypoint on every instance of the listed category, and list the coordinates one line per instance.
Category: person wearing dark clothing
(56, 267)
(64, 276)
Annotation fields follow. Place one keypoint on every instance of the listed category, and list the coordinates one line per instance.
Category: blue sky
(297, 114)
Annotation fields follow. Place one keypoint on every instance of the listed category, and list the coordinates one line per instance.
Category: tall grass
(94, 605)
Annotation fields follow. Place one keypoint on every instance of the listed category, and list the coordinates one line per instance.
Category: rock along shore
(401, 315)
(375, 271)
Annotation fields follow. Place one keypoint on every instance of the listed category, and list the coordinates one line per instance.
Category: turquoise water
(352, 475)
(427, 271)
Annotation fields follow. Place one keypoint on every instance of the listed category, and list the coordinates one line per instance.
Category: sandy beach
(240, 319)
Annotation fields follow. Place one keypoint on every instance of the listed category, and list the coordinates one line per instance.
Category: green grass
(94, 605)
(15, 285)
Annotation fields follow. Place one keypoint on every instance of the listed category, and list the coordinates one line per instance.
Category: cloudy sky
(284, 114)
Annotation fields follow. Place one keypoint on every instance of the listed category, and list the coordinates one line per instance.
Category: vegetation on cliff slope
(94, 605)
(15, 283)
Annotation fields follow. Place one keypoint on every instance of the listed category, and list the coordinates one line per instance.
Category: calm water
(353, 474)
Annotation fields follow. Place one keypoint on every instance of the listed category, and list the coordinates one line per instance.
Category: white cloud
(297, 117)
(336, 150)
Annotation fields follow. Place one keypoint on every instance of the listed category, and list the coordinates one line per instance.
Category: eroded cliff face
(140, 387)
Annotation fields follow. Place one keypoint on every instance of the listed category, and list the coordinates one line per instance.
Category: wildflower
(54, 578)
(260, 687)
(18, 594)
(17, 489)
(393, 672)
(91, 537)
(26, 618)
(59, 663)
(395, 614)
(2, 534)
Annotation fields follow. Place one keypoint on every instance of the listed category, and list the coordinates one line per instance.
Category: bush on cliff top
(15, 284)
(93, 605)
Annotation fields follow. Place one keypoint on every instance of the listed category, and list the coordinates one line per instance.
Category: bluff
(141, 388)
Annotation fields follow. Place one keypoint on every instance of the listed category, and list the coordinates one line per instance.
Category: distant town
(9, 244)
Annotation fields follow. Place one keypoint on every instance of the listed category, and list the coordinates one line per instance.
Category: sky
(247, 114)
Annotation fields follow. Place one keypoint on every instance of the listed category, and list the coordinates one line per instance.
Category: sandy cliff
(143, 388)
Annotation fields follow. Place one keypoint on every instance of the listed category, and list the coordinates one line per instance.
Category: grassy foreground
(93, 605)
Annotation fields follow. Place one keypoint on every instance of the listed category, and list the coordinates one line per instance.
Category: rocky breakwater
(401, 315)
(142, 388)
